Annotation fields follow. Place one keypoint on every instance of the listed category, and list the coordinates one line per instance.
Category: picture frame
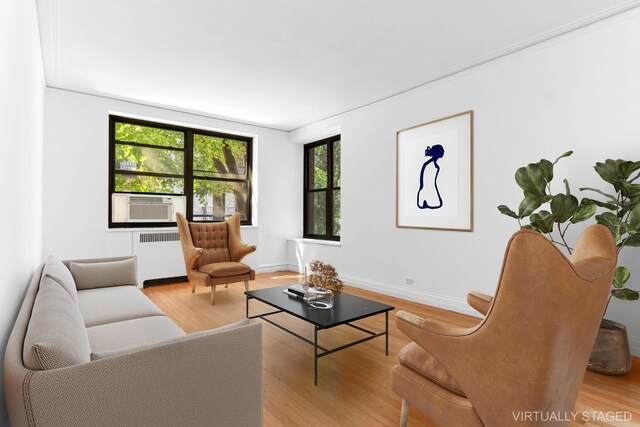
(434, 174)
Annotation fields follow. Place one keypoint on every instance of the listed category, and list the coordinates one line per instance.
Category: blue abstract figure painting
(433, 174)
(428, 196)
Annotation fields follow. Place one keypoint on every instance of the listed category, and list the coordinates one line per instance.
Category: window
(212, 170)
(322, 189)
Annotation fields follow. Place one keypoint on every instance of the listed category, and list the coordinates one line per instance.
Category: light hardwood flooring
(354, 384)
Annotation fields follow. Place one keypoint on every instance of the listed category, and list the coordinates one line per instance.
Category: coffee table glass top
(346, 308)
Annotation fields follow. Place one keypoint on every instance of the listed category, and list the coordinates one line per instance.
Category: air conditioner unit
(146, 208)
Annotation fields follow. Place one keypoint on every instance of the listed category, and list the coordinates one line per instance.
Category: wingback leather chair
(530, 351)
(212, 253)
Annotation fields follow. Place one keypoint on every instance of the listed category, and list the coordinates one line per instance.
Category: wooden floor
(354, 384)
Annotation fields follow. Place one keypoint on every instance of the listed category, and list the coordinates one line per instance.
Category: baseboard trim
(270, 268)
(292, 267)
(164, 281)
(414, 295)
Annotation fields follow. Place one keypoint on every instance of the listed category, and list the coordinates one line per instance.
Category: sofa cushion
(107, 354)
(129, 334)
(114, 304)
(56, 336)
(225, 269)
(59, 272)
(90, 275)
(419, 360)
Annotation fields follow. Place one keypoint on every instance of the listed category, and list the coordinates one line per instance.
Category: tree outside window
(211, 169)
(322, 189)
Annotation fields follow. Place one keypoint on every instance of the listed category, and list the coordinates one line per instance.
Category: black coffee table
(346, 309)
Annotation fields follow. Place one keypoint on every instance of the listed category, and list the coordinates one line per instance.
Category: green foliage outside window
(323, 173)
(128, 132)
(213, 158)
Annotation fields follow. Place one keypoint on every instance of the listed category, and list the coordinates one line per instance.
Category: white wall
(76, 178)
(577, 92)
(21, 106)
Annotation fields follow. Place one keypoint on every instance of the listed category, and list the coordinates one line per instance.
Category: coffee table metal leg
(315, 355)
(247, 310)
(386, 333)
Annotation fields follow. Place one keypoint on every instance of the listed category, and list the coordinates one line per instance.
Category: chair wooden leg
(246, 285)
(404, 414)
(213, 294)
(226, 286)
(193, 287)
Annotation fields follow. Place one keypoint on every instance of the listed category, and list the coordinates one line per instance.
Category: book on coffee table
(298, 289)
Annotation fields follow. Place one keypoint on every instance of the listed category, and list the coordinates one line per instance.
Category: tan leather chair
(212, 253)
(530, 351)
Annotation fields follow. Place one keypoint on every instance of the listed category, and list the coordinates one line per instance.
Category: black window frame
(329, 190)
(188, 174)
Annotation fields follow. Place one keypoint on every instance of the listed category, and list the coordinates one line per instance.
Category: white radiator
(159, 255)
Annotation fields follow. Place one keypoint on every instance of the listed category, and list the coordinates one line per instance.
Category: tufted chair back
(213, 238)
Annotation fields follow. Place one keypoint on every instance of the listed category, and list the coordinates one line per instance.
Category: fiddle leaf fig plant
(622, 214)
(542, 210)
(552, 214)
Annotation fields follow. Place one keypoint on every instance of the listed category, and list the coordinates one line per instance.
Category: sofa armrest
(197, 379)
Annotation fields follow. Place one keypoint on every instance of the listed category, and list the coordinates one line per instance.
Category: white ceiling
(286, 63)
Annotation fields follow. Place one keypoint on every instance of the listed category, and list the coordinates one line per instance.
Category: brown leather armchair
(530, 351)
(212, 253)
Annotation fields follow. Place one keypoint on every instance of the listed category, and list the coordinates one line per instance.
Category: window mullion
(329, 196)
(188, 172)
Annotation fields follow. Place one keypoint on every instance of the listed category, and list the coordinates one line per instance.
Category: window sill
(316, 242)
(156, 229)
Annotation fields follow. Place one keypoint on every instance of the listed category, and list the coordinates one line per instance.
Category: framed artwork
(434, 174)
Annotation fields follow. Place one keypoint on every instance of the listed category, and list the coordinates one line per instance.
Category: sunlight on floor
(288, 276)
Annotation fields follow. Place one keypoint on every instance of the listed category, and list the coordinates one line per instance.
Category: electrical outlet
(408, 280)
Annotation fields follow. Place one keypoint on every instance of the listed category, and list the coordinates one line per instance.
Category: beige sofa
(89, 349)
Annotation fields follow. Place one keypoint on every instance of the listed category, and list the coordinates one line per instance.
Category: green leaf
(626, 294)
(634, 217)
(633, 241)
(629, 190)
(567, 154)
(583, 213)
(542, 221)
(528, 205)
(607, 171)
(602, 221)
(547, 169)
(627, 206)
(608, 196)
(527, 227)
(563, 207)
(609, 206)
(531, 180)
(626, 168)
(504, 210)
(566, 186)
(621, 276)
(612, 219)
